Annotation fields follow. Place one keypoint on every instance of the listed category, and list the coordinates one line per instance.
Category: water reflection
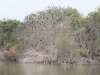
(33, 69)
(9, 68)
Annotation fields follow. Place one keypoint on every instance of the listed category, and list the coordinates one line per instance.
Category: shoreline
(37, 57)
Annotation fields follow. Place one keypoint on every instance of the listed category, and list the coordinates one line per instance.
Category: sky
(18, 9)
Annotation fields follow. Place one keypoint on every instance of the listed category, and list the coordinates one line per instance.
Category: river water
(37, 69)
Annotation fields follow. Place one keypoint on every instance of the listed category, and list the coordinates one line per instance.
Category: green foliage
(56, 28)
(8, 26)
(8, 41)
(65, 46)
(79, 52)
(87, 33)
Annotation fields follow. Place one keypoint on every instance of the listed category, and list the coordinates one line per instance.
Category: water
(33, 69)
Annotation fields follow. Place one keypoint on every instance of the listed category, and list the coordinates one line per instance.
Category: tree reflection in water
(37, 69)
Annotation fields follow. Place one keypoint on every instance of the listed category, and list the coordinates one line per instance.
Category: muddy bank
(33, 56)
(79, 61)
